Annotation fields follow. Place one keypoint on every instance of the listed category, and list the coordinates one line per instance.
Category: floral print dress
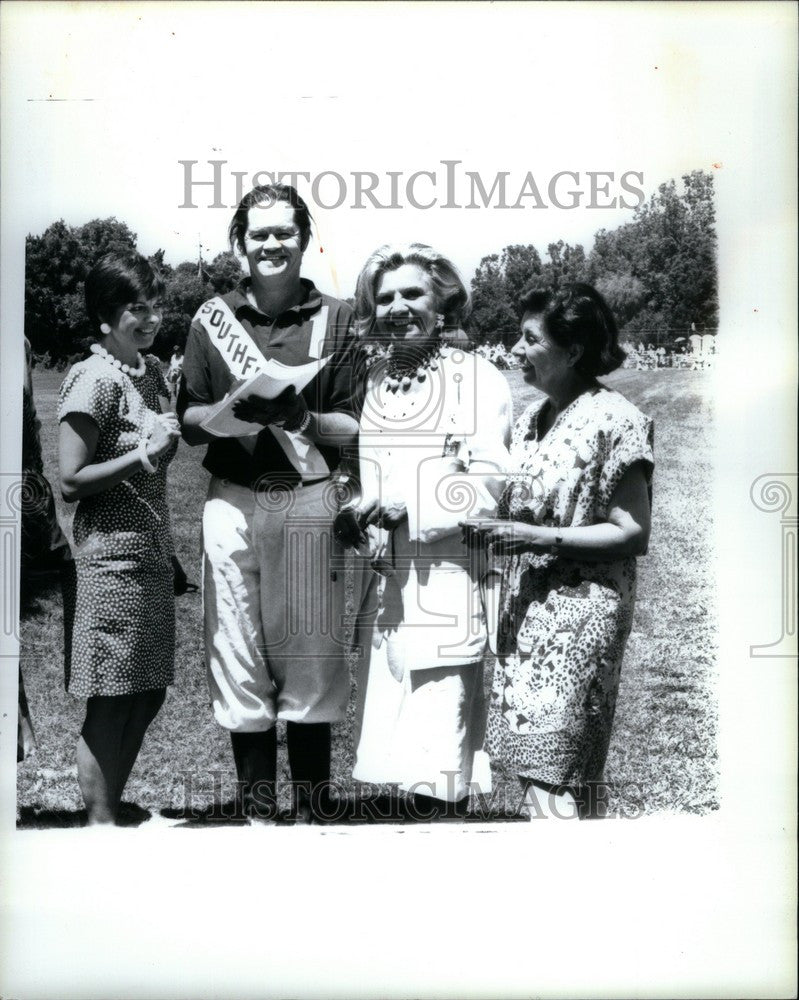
(564, 622)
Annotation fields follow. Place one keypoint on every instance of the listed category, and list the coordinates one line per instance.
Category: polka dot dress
(123, 638)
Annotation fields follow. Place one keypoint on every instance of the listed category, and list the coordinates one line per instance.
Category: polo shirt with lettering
(338, 388)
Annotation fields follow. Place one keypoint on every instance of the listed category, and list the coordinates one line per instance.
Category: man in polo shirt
(272, 601)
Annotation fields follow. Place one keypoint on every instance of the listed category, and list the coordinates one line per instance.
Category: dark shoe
(317, 807)
(426, 809)
(255, 755)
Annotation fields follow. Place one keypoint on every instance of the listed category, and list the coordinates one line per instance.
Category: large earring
(105, 328)
(439, 322)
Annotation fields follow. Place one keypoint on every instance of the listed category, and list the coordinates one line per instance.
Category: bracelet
(555, 547)
(302, 426)
(144, 458)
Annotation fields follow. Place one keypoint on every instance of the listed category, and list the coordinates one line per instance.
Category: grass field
(663, 751)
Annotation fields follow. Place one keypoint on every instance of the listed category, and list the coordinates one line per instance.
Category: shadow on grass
(31, 818)
(353, 810)
(38, 590)
(215, 815)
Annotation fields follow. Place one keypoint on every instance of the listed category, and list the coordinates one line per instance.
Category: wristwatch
(300, 426)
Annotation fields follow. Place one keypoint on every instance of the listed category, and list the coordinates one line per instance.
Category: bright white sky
(112, 96)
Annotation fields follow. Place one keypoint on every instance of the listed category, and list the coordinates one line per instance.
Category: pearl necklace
(125, 369)
(399, 376)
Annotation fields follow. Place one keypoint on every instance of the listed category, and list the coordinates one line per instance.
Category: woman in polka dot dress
(116, 440)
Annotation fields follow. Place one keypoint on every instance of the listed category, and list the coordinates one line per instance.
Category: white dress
(440, 448)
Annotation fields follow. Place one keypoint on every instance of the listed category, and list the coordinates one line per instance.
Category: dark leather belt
(266, 485)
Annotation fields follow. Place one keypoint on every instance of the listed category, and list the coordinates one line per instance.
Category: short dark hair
(269, 194)
(576, 314)
(117, 279)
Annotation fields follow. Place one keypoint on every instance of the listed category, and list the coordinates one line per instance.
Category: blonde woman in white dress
(433, 450)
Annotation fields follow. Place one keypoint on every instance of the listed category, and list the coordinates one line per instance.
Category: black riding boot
(255, 755)
(309, 758)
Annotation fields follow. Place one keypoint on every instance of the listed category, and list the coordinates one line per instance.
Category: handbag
(181, 582)
(490, 592)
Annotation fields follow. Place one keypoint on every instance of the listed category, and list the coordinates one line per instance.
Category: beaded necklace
(400, 373)
(125, 369)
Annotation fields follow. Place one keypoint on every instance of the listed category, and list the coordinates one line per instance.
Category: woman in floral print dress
(573, 518)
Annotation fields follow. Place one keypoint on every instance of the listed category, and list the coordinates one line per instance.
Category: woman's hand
(287, 408)
(81, 476)
(387, 515)
(170, 421)
(350, 524)
(166, 430)
(348, 528)
(508, 538)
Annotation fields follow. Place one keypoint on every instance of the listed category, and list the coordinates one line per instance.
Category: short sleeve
(488, 448)
(90, 392)
(349, 381)
(342, 386)
(522, 428)
(629, 440)
(433, 514)
(496, 416)
(195, 381)
(154, 365)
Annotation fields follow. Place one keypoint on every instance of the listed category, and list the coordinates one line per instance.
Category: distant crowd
(638, 357)
(498, 355)
(647, 358)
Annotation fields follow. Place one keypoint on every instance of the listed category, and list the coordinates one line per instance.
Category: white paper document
(268, 383)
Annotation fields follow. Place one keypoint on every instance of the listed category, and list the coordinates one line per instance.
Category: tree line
(56, 265)
(658, 273)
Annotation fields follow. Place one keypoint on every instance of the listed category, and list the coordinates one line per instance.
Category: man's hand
(288, 409)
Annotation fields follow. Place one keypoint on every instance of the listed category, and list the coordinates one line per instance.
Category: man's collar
(310, 302)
